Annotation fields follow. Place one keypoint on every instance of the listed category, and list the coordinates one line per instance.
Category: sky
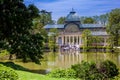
(60, 8)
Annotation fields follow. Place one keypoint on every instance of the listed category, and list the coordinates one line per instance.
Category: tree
(88, 20)
(104, 19)
(113, 27)
(96, 40)
(39, 28)
(87, 36)
(96, 18)
(82, 18)
(15, 26)
(52, 38)
(33, 11)
(45, 17)
(108, 69)
(61, 20)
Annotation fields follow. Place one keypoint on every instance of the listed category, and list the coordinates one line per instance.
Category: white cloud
(82, 7)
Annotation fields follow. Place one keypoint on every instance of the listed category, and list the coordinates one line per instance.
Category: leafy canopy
(113, 27)
(16, 21)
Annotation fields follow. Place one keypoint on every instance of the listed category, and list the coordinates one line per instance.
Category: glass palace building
(71, 31)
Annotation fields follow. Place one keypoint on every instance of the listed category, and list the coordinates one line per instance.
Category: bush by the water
(109, 69)
(89, 71)
(7, 73)
(60, 73)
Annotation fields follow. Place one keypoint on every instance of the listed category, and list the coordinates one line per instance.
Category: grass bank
(23, 75)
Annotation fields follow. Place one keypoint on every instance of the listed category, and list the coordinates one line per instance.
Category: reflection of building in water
(65, 59)
(70, 32)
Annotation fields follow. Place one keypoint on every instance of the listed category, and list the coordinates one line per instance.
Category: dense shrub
(7, 73)
(87, 71)
(60, 73)
(109, 69)
(90, 71)
(70, 73)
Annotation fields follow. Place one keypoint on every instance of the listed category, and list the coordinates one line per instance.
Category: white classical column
(77, 40)
(62, 39)
(73, 39)
(69, 39)
(65, 39)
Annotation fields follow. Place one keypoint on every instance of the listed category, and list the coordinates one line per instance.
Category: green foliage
(87, 71)
(88, 20)
(87, 37)
(45, 17)
(113, 27)
(89, 40)
(52, 38)
(3, 53)
(16, 25)
(91, 71)
(31, 47)
(32, 76)
(58, 73)
(108, 69)
(103, 19)
(61, 20)
(7, 73)
(33, 10)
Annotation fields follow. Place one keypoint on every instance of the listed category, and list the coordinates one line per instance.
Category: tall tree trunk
(10, 57)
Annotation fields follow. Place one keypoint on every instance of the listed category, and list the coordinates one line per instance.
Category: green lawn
(23, 75)
(32, 76)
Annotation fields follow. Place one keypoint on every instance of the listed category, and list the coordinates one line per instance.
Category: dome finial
(72, 16)
(73, 11)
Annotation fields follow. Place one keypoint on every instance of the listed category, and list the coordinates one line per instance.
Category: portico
(70, 39)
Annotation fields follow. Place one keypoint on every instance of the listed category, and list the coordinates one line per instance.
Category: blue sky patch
(82, 7)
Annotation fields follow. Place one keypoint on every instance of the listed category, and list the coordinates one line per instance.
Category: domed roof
(72, 16)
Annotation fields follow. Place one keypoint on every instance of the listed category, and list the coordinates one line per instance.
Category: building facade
(71, 31)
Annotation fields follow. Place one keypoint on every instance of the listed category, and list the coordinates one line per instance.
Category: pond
(66, 59)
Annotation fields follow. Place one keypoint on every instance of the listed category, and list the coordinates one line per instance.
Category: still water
(66, 59)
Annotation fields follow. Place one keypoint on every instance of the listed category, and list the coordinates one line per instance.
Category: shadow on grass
(14, 66)
(39, 71)
(21, 68)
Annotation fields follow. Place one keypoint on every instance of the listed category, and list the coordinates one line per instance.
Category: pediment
(72, 28)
